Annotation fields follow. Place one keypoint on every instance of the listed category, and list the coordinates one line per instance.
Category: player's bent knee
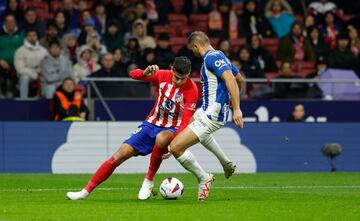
(164, 138)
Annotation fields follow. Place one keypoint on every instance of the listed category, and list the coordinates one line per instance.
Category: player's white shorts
(202, 126)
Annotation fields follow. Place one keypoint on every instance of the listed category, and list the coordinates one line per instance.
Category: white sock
(189, 162)
(211, 144)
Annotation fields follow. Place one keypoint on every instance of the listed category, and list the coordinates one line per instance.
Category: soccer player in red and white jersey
(172, 112)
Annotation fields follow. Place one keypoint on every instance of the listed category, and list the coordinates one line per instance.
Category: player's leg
(210, 143)
(104, 171)
(163, 139)
(178, 148)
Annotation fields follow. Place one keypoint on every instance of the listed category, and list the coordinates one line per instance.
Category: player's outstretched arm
(233, 89)
(149, 74)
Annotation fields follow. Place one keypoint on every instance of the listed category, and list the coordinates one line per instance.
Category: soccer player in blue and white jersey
(220, 86)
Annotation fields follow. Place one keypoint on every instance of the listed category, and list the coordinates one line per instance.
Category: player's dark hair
(182, 65)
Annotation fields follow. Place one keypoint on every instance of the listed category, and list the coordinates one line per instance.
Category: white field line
(192, 187)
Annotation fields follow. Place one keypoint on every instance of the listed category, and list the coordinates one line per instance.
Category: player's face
(179, 80)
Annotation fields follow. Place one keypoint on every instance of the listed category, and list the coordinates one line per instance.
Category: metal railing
(248, 80)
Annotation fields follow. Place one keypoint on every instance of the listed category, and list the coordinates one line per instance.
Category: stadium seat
(198, 18)
(164, 29)
(214, 41)
(177, 43)
(55, 6)
(238, 7)
(177, 18)
(177, 5)
(236, 43)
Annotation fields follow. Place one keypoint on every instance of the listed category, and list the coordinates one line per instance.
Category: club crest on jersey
(178, 97)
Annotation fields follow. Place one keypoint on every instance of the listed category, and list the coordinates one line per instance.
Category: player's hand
(238, 118)
(150, 70)
(167, 155)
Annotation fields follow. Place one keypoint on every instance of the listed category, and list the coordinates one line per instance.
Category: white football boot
(83, 194)
(204, 187)
(229, 169)
(146, 190)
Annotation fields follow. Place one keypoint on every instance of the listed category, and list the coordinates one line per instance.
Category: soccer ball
(171, 188)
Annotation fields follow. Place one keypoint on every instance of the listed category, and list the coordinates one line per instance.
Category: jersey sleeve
(235, 71)
(190, 100)
(217, 63)
(138, 75)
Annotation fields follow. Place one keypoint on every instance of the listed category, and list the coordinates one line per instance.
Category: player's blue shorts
(143, 138)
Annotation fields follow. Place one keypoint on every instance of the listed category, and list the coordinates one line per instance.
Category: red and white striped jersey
(174, 106)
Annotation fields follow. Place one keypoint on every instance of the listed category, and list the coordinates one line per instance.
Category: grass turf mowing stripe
(192, 187)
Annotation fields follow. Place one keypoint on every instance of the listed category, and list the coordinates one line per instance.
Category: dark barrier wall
(260, 147)
(125, 110)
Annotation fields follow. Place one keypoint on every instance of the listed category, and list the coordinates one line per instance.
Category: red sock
(155, 161)
(104, 172)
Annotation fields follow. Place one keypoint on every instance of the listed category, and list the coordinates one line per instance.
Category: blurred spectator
(70, 46)
(113, 38)
(225, 47)
(139, 31)
(72, 15)
(288, 90)
(82, 6)
(86, 63)
(132, 50)
(341, 57)
(27, 61)
(73, 114)
(321, 66)
(93, 41)
(294, 46)
(354, 40)
(309, 21)
(31, 21)
(148, 58)
(52, 33)
(197, 6)
(128, 17)
(61, 23)
(87, 30)
(262, 55)
(279, 14)
(114, 9)
(320, 8)
(163, 8)
(298, 114)
(223, 21)
(108, 89)
(120, 65)
(253, 20)
(13, 7)
(55, 67)
(317, 42)
(10, 40)
(195, 61)
(64, 98)
(249, 66)
(164, 55)
(330, 30)
(100, 18)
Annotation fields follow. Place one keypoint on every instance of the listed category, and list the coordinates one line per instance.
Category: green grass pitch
(266, 196)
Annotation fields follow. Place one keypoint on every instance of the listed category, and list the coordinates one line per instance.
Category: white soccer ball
(171, 188)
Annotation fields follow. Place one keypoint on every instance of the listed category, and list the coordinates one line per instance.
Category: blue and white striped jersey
(216, 97)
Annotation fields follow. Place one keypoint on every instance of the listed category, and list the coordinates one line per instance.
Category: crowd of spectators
(42, 42)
